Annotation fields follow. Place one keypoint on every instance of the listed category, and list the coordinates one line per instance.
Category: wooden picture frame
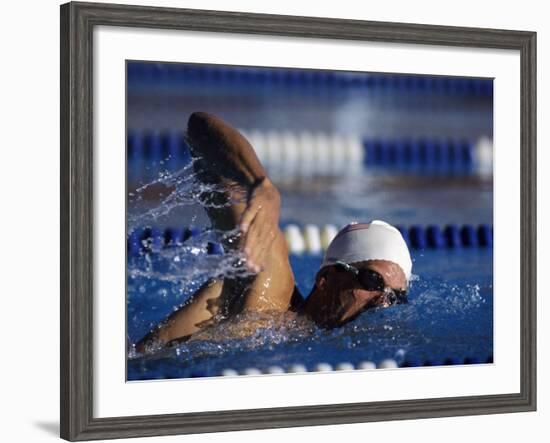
(77, 23)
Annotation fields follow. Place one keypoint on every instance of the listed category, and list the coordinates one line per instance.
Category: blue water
(449, 318)
(398, 199)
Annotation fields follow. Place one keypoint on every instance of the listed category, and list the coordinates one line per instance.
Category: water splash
(186, 261)
(252, 329)
(243, 332)
(161, 277)
(155, 200)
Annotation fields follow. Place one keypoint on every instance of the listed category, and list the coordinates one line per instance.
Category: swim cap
(376, 240)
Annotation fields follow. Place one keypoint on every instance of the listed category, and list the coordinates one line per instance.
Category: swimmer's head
(376, 240)
(366, 265)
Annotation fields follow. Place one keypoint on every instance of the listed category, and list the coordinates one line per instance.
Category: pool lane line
(297, 368)
(151, 76)
(313, 239)
(387, 363)
(324, 367)
(287, 154)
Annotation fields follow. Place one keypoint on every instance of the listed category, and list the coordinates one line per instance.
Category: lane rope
(314, 239)
(388, 363)
(287, 154)
(151, 74)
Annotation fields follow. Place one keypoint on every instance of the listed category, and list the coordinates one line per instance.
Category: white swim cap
(376, 240)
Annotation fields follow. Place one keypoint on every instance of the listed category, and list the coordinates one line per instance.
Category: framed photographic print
(272, 221)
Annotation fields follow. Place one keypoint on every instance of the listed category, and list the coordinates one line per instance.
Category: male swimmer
(366, 265)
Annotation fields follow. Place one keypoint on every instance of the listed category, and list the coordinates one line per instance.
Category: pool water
(449, 319)
(374, 194)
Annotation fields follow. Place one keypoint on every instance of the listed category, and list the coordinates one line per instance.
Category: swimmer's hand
(260, 223)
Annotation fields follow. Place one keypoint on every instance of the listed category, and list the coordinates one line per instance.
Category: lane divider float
(287, 154)
(388, 363)
(152, 74)
(313, 239)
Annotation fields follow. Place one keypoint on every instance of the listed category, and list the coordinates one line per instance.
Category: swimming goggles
(371, 280)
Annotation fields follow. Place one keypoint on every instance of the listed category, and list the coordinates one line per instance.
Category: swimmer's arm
(224, 149)
(188, 319)
(227, 155)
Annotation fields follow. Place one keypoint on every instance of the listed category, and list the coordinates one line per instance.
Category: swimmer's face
(339, 296)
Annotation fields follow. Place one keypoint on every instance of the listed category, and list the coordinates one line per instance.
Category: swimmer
(366, 265)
